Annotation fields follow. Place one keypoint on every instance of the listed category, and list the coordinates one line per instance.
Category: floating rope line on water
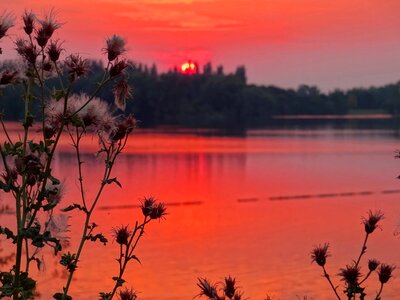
(330, 195)
(272, 198)
(323, 195)
(125, 206)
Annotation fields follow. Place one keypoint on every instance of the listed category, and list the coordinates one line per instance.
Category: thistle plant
(226, 290)
(33, 189)
(128, 240)
(352, 276)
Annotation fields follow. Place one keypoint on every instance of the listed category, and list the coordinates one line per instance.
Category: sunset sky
(328, 43)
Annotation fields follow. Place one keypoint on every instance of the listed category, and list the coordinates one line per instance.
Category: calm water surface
(251, 207)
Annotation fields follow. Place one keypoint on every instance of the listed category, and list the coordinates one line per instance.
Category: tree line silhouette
(214, 99)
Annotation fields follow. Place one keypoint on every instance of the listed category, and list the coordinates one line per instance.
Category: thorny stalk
(112, 151)
(326, 275)
(363, 249)
(130, 247)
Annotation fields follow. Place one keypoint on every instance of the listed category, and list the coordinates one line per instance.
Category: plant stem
(6, 131)
(330, 282)
(21, 215)
(378, 296)
(129, 252)
(80, 162)
(110, 159)
(50, 157)
(366, 277)
(364, 247)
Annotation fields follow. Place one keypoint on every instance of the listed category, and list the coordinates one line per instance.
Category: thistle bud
(27, 50)
(118, 67)
(350, 275)
(115, 47)
(76, 66)
(54, 50)
(207, 289)
(371, 222)
(373, 264)
(29, 20)
(127, 295)
(319, 254)
(147, 205)
(123, 128)
(385, 272)
(45, 32)
(230, 287)
(6, 22)
(152, 209)
(122, 235)
(158, 211)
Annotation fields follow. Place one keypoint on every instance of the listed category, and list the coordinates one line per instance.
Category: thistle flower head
(8, 77)
(76, 66)
(319, 254)
(229, 287)
(158, 211)
(122, 128)
(350, 275)
(122, 91)
(385, 272)
(207, 289)
(121, 235)
(27, 50)
(115, 47)
(96, 115)
(29, 21)
(147, 205)
(372, 220)
(54, 50)
(47, 28)
(127, 295)
(6, 22)
(93, 115)
(373, 264)
(152, 209)
(118, 67)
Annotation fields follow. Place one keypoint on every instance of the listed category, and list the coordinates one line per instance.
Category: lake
(250, 206)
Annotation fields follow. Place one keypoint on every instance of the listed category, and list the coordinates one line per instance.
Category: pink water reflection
(223, 219)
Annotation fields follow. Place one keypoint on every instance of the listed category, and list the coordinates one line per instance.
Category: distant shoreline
(335, 117)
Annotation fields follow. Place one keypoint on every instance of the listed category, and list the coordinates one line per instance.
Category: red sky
(329, 43)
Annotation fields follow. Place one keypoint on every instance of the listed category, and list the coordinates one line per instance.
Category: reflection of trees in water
(191, 166)
(325, 122)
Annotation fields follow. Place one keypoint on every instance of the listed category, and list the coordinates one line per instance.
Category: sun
(189, 67)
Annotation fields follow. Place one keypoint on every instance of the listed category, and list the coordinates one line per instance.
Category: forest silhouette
(212, 98)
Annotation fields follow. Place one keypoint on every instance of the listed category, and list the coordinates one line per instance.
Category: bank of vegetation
(215, 99)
